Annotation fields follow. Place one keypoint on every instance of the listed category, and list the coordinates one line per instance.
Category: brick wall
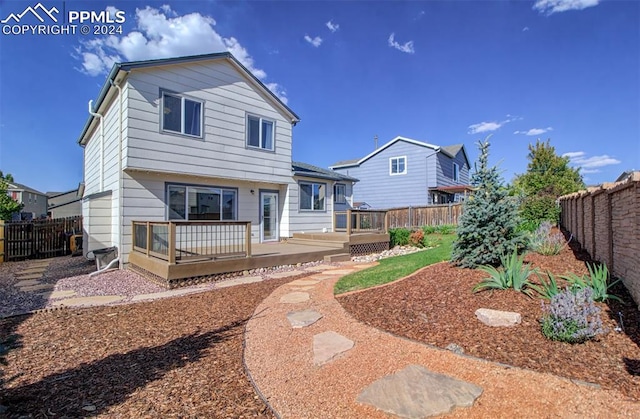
(606, 222)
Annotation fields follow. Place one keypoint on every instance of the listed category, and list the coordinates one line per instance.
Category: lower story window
(201, 203)
(312, 196)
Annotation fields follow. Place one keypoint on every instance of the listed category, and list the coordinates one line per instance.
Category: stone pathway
(310, 359)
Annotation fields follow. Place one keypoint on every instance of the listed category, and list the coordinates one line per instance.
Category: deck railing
(181, 241)
(360, 221)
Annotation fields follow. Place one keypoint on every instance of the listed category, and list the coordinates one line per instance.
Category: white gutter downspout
(97, 115)
(120, 175)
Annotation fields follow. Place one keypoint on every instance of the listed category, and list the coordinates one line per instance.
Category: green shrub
(547, 290)
(528, 226)
(445, 229)
(572, 317)
(540, 208)
(597, 280)
(513, 273)
(428, 229)
(398, 236)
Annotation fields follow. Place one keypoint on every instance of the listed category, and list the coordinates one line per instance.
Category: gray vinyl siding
(227, 99)
(348, 194)
(310, 221)
(444, 170)
(380, 189)
(97, 223)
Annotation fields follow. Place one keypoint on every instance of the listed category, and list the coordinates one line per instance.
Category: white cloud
(534, 131)
(587, 171)
(550, 7)
(525, 29)
(161, 33)
(316, 42)
(419, 16)
(490, 126)
(333, 27)
(407, 47)
(589, 164)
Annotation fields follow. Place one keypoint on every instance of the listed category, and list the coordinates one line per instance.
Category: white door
(268, 216)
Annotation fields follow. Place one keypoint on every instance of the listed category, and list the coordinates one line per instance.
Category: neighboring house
(64, 204)
(35, 202)
(625, 175)
(195, 138)
(406, 172)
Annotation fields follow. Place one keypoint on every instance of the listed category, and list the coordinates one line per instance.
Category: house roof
(453, 150)
(125, 67)
(625, 175)
(304, 169)
(56, 194)
(21, 187)
(356, 162)
(454, 189)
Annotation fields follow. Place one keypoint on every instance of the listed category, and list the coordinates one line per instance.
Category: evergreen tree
(7, 204)
(488, 225)
(548, 177)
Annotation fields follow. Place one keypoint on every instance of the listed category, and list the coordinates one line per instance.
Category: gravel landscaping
(436, 306)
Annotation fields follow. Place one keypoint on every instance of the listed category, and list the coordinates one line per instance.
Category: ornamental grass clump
(597, 280)
(572, 317)
(513, 273)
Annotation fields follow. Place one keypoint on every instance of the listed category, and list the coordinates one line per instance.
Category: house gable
(351, 163)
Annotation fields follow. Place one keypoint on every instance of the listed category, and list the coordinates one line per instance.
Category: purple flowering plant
(572, 317)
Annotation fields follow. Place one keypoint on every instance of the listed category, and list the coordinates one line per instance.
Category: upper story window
(312, 196)
(181, 115)
(398, 165)
(260, 133)
(456, 172)
(201, 203)
(339, 192)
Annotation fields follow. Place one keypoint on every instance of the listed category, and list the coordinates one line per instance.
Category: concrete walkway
(311, 359)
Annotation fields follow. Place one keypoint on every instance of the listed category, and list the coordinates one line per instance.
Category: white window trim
(186, 212)
(305, 182)
(455, 175)
(391, 159)
(182, 108)
(273, 133)
(344, 194)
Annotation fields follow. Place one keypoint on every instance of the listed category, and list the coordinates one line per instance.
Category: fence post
(348, 222)
(248, 238)
(410, 219)
(172, 243)
(386, 221)
(1, 241)
(610, 228)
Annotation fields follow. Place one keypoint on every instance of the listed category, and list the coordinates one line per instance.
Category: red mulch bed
(177, 357)
(436, 306)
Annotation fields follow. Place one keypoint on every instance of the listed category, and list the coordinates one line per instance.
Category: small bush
(428, 229)
(445, 229)
(572, 317)
(399, 237)
(416, 238)
(546, 243)
(529, 226)
(597, 280)
(513, 273)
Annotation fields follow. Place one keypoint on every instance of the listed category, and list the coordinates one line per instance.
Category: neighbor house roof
(453, 150)
(20, 187)
(625, 175)
(356, 162)
(125, 67)
(304, 169)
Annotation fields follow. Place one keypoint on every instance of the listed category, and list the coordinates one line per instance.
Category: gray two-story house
(35, 202)
(407, 172)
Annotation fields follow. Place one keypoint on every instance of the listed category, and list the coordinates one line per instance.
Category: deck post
(348, 222)
(172, 243)
(148, 237)
(248, 238)
(386, 221)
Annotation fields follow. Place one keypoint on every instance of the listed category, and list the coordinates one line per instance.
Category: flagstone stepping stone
(284, 274)
(27, 282)
(304, 282)
(29, 276)
(416, 392)
(497, 318)
(320, 268)
(304, 318)
(60, 294)
(32, 271)
(341, 271)
(238, 281)
(328, 345)
(294, 297)
(164, 294)
(322, 277)
(89, 301)
(307, 288)
(39, 287)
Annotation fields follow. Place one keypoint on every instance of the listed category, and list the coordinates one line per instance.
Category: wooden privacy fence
(38, 239)
(605, 221)
(410, 217)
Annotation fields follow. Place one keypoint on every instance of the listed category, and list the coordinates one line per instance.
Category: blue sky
(441, 72)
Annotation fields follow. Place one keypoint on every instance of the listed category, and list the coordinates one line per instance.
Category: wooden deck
(301, 248)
